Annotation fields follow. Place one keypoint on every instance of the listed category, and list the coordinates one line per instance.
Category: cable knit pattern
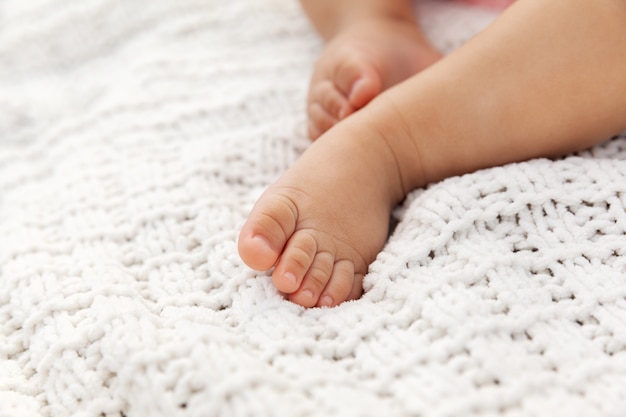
(134, 138)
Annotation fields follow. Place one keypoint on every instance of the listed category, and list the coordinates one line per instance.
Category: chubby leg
(546, 78)
(372, 45)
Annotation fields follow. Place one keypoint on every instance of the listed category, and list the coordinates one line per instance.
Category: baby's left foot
(363, 60)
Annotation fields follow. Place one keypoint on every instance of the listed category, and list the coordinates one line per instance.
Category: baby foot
(366, 58)
(321, 228)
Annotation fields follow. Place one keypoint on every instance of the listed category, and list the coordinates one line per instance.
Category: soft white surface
(134, 138)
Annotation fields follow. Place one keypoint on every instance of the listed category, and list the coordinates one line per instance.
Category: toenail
(307, 293)
(262, 240)
(355, 87)
(326, 301)
(290, 277)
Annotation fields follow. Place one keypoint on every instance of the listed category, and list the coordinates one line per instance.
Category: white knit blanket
(134, 138)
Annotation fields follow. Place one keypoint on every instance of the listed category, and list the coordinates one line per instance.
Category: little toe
(314, 281)
(294, 262)
(339, 286)
(357, 288)
(269, 226)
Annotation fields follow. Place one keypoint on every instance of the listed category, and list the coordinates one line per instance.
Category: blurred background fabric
(135, 137)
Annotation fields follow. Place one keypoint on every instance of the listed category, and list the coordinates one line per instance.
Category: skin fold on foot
(367, 57)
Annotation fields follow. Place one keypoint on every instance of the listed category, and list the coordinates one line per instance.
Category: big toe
(268, 228)
(359, 81)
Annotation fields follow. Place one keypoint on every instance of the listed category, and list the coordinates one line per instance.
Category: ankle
(402, 135)
(378, 139)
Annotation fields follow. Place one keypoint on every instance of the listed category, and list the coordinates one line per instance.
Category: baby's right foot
(326, 219)
(364, 59)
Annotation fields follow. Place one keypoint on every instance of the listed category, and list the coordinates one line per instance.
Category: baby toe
(294, 262)
(269, 226)
(339, 286)
(314, 281)
(358, 81)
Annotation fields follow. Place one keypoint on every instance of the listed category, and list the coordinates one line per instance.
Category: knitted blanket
(134, 138)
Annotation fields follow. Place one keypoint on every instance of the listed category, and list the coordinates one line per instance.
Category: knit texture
(135, 137)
